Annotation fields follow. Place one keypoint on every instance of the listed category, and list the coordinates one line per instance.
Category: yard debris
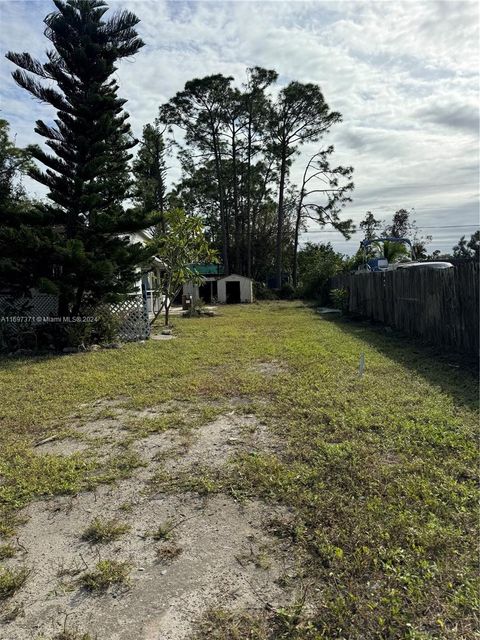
(325, 310)
(23, 352)
(46, 440)
(361, 366)
(198, 312)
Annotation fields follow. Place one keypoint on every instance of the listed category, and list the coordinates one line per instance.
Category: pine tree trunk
(238, 267)
(278, 254)
(63, 310)
(223, 217)
(295, 240)
(248, 205)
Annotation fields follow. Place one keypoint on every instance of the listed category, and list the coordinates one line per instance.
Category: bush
(339, 298)
(196, 309)
(50, 336)
(262, 292)
(106, 328)
(316, 265)
(78, 334)
(287, 292)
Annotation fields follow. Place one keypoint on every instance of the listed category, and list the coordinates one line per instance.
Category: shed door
(232, 292)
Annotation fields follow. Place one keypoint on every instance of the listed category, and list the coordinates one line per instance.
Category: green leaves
(87, 173)
(181, 245)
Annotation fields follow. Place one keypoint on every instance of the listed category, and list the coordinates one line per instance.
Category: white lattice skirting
(132, 314)
(133, 318)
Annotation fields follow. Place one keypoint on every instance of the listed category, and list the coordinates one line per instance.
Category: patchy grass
(11, 580)
(102, 530)
(27, 475)
(378, 472)
(162, 532)
(202, 480)
(107, 573)
(260, 558)
(7, 551)
(218, 624)
(285, 623)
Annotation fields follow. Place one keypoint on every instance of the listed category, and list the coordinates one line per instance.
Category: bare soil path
(216, 551)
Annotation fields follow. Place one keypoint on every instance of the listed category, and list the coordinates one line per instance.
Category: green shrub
(317, 263)
(106, 327)
(262, 292)
(339, 298)
(287, 292)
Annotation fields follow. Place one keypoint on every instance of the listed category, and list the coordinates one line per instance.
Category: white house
(148, 279)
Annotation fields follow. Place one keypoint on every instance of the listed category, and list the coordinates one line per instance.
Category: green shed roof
(208, 269)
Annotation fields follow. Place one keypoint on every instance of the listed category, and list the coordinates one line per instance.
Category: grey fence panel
(440, 306)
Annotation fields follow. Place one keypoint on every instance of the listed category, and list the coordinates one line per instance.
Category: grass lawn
(378, 472)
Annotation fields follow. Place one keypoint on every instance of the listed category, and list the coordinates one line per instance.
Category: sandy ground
(223, 557)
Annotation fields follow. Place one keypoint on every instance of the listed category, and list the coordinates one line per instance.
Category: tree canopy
(239, 145)
(86, 173)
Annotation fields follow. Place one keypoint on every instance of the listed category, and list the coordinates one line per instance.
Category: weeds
(7, 551)
(162, 532)
(11, 580)
(168, 551)
(107, 573)
(104, 530)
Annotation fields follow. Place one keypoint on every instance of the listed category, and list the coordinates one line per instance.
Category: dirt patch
(214, 443)
(105, 403)
(219, 539)
(218, 552)
(271, 368)
(60, 447)
(109, 430)
(160, 446)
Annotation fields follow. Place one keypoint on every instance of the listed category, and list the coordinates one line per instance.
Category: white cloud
(403, 74)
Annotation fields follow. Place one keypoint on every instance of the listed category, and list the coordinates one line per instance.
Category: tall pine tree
(87, 175)
(149, 170)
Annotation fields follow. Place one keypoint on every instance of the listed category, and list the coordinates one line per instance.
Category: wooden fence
(439, 306)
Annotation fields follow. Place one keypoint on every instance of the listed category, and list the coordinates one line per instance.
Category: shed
(231, 289)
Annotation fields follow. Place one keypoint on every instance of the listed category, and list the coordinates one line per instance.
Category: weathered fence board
(439, 306)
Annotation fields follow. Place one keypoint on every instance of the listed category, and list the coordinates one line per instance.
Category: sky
(404, 75)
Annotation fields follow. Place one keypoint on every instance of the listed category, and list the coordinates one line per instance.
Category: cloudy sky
(405, 76)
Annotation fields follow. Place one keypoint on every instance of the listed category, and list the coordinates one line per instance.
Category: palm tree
(392, 251)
